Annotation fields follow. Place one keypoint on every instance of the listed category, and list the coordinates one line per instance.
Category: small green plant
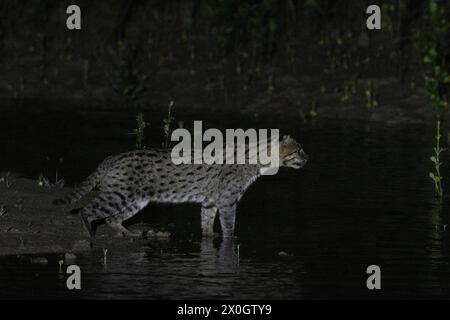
(436, 160)
(104, 257)
(311, 114)
(139, 131)
(238, 254)
(347, 91)
(435, 81)
(58, 182)
(313, 111)
(5, 179)
(60, 263)
(43, 181)
(370, 93)
(167, 126)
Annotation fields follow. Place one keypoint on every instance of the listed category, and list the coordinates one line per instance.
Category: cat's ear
(285, 139)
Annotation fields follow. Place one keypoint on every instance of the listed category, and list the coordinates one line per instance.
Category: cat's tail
(85, 187)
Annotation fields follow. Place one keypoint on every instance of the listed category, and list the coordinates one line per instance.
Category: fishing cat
(129, 181)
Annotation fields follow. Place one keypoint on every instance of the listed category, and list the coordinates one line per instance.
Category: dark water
(363, 199)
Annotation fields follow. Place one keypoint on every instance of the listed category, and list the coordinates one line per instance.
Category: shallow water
(364, 198)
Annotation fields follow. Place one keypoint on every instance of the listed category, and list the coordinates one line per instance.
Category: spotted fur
(128, 182)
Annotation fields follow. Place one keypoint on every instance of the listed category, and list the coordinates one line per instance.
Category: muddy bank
(30, 224)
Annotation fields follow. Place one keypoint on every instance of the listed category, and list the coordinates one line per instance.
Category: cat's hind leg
(102, 206)
(116, 220)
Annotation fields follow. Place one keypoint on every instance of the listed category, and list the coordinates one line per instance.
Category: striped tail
(86, 186)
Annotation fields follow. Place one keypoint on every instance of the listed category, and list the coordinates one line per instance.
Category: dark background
(251, 57)
(363, 103)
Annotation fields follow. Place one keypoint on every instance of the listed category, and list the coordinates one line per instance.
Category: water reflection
(435, 241)
(218, 260)
(207, 269)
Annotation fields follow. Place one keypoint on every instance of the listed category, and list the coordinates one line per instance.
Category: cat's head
(291, 153)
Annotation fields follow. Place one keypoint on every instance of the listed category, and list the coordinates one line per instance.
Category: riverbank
(30, 224)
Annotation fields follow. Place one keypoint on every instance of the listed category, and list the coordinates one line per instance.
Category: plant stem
(436, 159)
